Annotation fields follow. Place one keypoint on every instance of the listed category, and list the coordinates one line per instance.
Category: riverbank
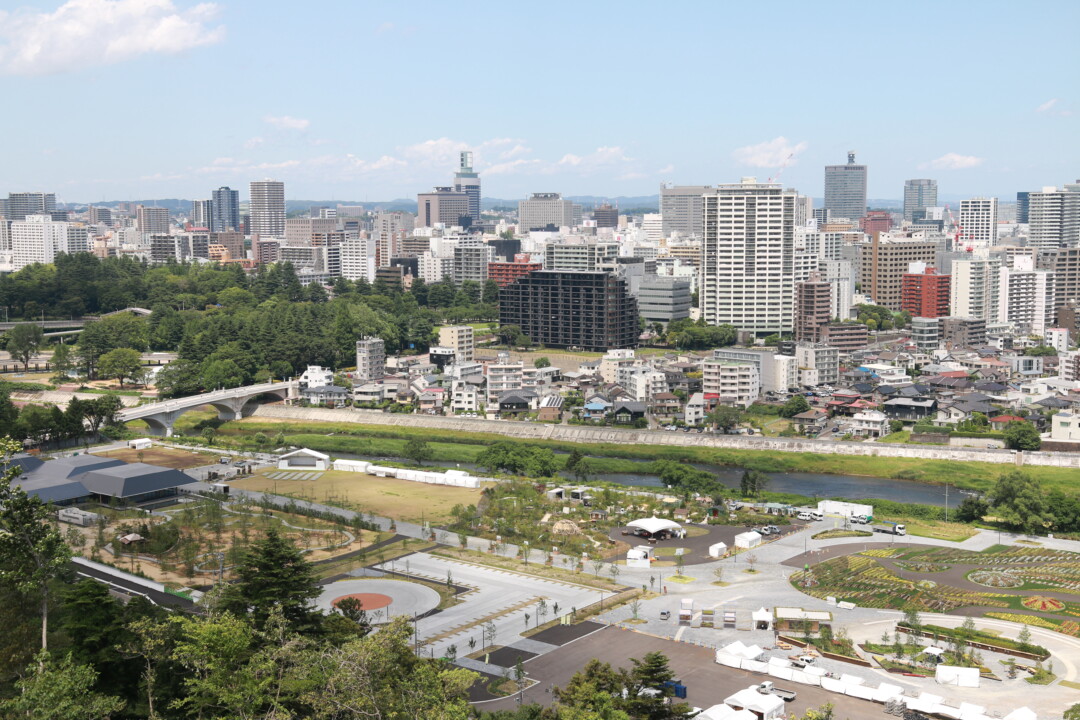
(462, 446)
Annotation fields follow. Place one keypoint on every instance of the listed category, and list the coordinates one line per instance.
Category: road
(129, 587)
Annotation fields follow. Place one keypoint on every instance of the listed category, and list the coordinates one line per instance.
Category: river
(820, 485)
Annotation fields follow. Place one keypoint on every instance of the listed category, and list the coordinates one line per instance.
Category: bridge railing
(195, 400)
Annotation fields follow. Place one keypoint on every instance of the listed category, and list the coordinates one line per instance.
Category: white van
(805, 515)
(817, 515)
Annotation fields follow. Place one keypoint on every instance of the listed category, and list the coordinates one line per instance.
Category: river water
(811, 484)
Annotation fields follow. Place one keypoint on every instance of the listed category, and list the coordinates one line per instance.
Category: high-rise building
(681, 209)
(1054, 217)
(471, 259)
(747, 273)
(1065, 264)
(99, 215)
(606, 216)
(467, 181)
(813, 308)
(1026, 297)
(886, 259)
(504, 273)
(876, 221)
(19, 206)
(358, 259)
(443, 206)
(267, 208)
(1023, 203)
(978, 223)
(39, 239)
(925, 293)
(587, 310)
(225, 210)
(312, 231)
(974, 288)
(579, 254)
(389, 231)
(545, 211)
(202, 212)
(664, 299)
(152, 220)
(845, 189)
(370, 360)
(919, 195)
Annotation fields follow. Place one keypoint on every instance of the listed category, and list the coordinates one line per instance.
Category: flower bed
(995, 578)
(986, 641)
(921, 567)
(1043, 603)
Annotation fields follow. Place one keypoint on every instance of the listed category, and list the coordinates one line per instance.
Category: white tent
(747, 540)
(766, 707)
(717, 550)
(959, 676)
(654, 525)
(724, 712)
(1022, 713)
(303, 459)
(762, 619)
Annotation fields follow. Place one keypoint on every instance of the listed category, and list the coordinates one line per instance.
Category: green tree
(417, 450)
(101, 411)
(972, 509)
(1020, 435)
(32, 552)
(23, 342)
(753, 483)
(121, 363)
(61, 360)
(651, 673)
(796, 404)
(1018, 499)
(542, 362)
(274, 574)
(725, 417)
(59, 690)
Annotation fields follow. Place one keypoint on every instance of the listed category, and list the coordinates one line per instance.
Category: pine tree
(274, 573)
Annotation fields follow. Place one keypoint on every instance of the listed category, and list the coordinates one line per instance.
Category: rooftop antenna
(850, 157)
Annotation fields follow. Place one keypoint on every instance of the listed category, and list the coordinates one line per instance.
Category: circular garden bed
(1043, 603)
(995, 579)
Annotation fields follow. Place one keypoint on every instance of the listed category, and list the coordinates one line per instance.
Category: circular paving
(387, 597)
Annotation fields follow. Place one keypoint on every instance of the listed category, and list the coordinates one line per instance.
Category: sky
(353, 100)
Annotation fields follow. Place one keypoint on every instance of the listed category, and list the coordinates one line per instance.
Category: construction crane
(959, 229)
(783, 167)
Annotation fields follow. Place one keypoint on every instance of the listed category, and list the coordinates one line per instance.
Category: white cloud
(253, 143)
(287, 122)
(769, 154)
(666, 170)
(86, 33)
(384, 28)
(227, 165)
(1047, 106)
(953, 161)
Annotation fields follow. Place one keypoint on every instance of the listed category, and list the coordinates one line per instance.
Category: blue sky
(114, 99)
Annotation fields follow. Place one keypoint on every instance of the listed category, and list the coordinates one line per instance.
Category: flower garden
(1019, 584)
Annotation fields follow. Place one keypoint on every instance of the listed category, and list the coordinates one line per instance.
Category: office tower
(876, 221)
(389, 231)
(804, 210)
(313, 231)
(583, 310)
(664, 299)
(978, 223)
(224, 210)
(925, 293)
(747, 273)
(1026, 297)
(974, 288)
(99, 215)
(152, 220)
(885, 260)
(462, 339)
(39, 239)
(919, 195)
(606, 216)
(681, 208)
(443, 206)
(1022, 205)
(370, 360)
(202, 213)
(822, 215)
(845, 189)
(267, 208)
(813, 308)
(545, 212)
(471, 258)
(22, 205)
(1054, 217)
(467, 181)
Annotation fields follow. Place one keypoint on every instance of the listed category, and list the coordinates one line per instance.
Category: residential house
(870, 423)
(627, 412)
(550, 409)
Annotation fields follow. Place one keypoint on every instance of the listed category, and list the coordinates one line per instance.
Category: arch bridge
(231, 404)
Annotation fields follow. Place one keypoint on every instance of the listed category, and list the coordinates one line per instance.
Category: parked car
(224, 460)
(665, 614)
(772, 529)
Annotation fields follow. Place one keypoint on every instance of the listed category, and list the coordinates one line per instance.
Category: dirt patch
(368, 601)
(163, 456)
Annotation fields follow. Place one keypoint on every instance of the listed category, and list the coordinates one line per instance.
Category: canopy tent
(1022, 713)
(932, 650)
(766, 707)
(762, 619)
(747, 539)
(724, 712)
(717, 549)
(959, 676)
(654, 525)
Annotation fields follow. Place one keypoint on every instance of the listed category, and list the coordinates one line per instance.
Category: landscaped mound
(995, 579)
(922, 567)
(1043, 603)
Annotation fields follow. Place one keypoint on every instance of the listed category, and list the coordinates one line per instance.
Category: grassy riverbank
(453, 446)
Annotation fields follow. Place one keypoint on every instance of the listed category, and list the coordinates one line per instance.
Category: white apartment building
(975, 288)
(818, 365)
(464, 397)
(653, 225)
(1054, 217)
(39, 239)
(612, 361)
(734, 383)
(747, 277)
(1058, 338)
(471, 258)
(503, 375)
(267, 208)
(579, 253)
(1069, 365)
(978, 223)
(315, 376)
(841, 278)
(435, 268)
(1026, 296)
(370, 360)
(870, 423)
(643, 383)
(462, 339)
(358, 259)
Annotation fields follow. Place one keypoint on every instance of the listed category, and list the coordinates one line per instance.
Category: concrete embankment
(583, 434)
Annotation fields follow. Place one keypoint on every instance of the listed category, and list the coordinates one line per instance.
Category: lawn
(163, 456)
(936, 529)
(385, 497)
(900, 437)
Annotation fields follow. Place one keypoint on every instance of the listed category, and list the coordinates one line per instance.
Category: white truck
(890, 528)
(767, 688)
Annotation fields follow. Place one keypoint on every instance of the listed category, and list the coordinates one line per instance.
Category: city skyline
(315, 115)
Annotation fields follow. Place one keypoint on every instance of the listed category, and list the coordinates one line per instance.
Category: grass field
(166, 457)
(937, 529)
(385, 497)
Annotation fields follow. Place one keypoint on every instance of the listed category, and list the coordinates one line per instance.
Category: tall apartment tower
(358, 258)
(224, 210)
(1023, 203)
(813, 308)
(925, 293)
(267, 208)
(467, 181)
(884, 262)
(681, 208)
(152, 220)
(370, 359)
(1054, 217)
(201, 213)
(978, 223)
(20, 206)
(919, 195)
(747, 273)
(975, 288)
(845, 189)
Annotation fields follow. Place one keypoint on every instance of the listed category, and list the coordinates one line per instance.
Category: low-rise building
(870, 423)
(734, 383)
